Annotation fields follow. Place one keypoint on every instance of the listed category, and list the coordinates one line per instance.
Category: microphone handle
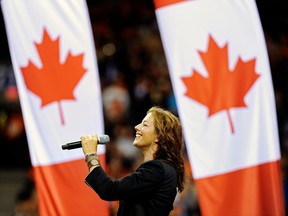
(72, 145)
(102, 139)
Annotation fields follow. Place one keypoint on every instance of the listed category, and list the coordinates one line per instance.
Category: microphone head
(103, 139)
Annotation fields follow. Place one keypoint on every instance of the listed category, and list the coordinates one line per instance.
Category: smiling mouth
(137, 136)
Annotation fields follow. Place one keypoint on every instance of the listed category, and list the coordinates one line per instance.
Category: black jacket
(150, 190)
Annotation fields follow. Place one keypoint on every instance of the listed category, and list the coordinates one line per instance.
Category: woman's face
(145, 132)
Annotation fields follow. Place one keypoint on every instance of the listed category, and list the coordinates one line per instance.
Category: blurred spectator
(116, 103)
(26, 199)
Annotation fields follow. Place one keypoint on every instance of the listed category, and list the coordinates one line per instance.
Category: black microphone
(102, 139)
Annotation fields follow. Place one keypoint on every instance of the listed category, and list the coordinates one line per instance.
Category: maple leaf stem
(61, 113)
(230, 122)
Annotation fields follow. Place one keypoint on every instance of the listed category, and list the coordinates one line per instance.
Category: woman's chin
(136, 144)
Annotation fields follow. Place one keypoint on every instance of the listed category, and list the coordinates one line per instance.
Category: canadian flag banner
(220, 73)
(55, 65)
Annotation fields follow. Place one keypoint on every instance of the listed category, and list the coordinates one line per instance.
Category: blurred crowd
(134, 76)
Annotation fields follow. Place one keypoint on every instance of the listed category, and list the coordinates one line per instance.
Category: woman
(152, 188)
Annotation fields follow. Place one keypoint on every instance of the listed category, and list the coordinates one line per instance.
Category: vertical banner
(54, 61)
(221, 77)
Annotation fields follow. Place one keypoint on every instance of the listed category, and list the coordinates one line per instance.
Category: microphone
(102, 139)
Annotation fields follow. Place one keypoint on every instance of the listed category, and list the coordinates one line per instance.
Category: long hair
(169, 131)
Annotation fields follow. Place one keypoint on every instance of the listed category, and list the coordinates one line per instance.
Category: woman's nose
(137, 127)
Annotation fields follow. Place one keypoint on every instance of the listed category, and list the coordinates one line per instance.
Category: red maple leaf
(54, 81)
(223, 89)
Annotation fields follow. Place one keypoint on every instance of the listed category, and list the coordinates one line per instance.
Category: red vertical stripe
(56, 184)
(253, 191)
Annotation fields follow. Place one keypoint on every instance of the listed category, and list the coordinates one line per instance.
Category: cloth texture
(150, 190)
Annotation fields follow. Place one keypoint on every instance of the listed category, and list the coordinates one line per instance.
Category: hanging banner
(54, 62)
(221, 77)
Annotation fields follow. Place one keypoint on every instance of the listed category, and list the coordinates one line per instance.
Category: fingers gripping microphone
(102, 139)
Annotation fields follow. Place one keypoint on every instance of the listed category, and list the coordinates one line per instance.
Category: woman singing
(152, 188)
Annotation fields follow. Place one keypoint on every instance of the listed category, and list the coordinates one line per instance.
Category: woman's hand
(89, 144)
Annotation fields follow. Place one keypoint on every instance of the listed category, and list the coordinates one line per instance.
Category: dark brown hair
(169, 131)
